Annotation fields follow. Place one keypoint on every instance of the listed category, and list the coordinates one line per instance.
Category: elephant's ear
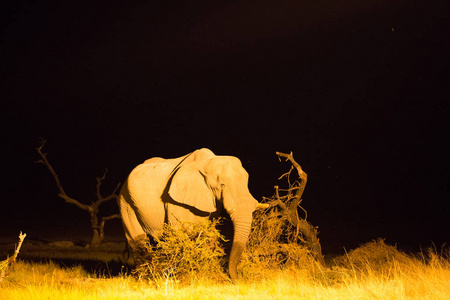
(188, 187)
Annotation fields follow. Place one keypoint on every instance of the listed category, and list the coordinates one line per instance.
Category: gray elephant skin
(187, 189)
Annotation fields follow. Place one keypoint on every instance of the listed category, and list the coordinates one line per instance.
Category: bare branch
(107, 218)
(21, 238)
(277, 201)
(99, 183)
(290, 157)
(287, 174)
(100, 198)
(303, 176)
(62, 194)
(75, 202)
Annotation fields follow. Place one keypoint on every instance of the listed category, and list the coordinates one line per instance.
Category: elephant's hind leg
(136, 237)
(131, 225)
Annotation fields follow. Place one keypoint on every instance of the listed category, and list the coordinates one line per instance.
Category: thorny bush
(278, 240)
(184, 253)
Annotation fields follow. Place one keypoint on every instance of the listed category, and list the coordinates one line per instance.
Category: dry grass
(400, 276)
(188, 264)
(372, 271)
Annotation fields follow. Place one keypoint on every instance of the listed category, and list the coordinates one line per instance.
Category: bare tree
(92, 209)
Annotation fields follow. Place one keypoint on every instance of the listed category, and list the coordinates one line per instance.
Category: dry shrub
(277, 241)
(280, 238)
(193, 251)
(374, 256)
(273, 242)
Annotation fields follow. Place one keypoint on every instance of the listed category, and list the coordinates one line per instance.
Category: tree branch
(115, 216)
(62, 194)
(100, 198)
(107, 218)
(303, 176)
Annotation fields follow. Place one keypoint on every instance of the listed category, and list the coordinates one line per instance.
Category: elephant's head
(202, 183)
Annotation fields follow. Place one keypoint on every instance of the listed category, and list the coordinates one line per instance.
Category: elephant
(190, 188)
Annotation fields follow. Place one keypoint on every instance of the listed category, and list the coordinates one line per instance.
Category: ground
(109, 257)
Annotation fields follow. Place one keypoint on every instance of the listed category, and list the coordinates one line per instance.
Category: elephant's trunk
(242, 223)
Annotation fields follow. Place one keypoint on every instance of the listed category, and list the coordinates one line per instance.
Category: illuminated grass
(373, 277)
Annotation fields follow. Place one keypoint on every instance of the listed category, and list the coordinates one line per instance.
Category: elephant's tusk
(262, 206)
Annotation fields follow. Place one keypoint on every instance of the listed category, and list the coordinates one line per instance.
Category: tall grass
(372, 271)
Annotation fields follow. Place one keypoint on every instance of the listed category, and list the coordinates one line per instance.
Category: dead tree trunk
(92, 209)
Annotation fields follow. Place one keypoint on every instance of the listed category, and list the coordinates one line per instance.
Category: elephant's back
(149, 180)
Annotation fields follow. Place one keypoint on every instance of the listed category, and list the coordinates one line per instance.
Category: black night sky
(358, 90)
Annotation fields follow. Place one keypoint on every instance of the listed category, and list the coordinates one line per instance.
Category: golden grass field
(372, 271)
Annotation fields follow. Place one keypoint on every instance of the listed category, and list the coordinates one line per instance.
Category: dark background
(357, 90)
